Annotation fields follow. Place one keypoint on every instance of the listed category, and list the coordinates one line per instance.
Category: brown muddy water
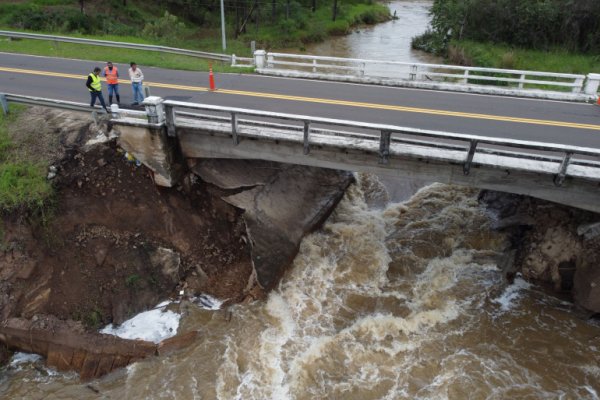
(400, 302)
(388, 41)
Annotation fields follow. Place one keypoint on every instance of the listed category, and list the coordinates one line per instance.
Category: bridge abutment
(147, 141)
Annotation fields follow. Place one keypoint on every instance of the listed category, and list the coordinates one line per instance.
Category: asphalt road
(496, 116)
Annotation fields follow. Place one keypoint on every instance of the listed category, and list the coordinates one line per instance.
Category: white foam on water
(590, 390)
(508, 299)
(154, 325)
(208, 302)
(20, 358)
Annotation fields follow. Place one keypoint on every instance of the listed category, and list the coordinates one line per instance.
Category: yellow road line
(346, 103)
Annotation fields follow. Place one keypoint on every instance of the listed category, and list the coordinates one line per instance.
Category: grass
(302, 27)
(117, 55)
(23, 183)
(491, 55)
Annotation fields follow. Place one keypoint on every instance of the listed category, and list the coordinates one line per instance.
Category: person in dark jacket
(95, 87)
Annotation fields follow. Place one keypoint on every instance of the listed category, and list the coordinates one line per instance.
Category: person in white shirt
(137, 76)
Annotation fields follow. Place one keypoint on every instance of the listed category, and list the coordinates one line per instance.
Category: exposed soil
(115, 244)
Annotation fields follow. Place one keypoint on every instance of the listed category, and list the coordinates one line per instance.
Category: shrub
(168, 28)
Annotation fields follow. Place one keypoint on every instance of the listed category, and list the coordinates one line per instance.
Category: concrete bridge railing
(168, 132)
(432, 76)
(555, 172)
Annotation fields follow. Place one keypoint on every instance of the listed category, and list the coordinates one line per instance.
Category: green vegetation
(23, 183)
(133, 281)
(548, 35)
(191, 24)
(490, 55)
(103, 54)
(573, 25)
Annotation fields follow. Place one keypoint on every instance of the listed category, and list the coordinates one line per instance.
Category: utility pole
(335, 9)
(223, 26)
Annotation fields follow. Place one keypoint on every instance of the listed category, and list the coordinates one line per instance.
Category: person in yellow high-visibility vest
(95, 87)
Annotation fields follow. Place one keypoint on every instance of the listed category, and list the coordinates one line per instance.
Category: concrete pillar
(259, 58)
(114, 110)
(155, 109)
(592, 83)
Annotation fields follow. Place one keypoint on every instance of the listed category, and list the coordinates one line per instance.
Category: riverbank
(564, 37)
(111, 244)
(292, 28)
(491, 55)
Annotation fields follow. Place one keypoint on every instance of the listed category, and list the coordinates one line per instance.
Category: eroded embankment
(551, 244)
(116, 244)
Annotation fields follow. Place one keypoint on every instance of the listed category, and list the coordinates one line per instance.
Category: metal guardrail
(419, 72)
(136, 46)
(6, 98)
(560, 160)
(561, 156)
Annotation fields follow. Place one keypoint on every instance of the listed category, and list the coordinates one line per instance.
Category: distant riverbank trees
(571, 25)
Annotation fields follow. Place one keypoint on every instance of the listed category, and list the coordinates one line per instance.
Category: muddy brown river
(401, 302)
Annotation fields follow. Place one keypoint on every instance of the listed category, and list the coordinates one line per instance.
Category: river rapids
(400, 302)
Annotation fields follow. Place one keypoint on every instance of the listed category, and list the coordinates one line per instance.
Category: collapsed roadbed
(115, 244)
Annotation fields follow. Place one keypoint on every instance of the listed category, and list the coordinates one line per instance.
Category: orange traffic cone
(211, 78)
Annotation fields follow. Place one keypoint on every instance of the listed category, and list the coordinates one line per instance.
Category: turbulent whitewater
(403, 302)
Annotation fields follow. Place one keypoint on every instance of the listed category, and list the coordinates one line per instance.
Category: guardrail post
(578, 85)
(259, 58)
(592, 83)
(465, 78)
(413, 72)
(470, 155)
(269, 61)
(306, 137)
(114, 111)
(384, 147)
(363, 70)
(234, 129)
(4, 103)
(170, 120)
(233, 60)
(155, 110)
(521, 81)
(559, 179)
(314, 63)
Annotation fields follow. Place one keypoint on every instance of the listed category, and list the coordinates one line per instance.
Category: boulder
(281, 203)
(586, 287)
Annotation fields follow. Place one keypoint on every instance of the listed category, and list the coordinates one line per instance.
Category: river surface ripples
(400, 302)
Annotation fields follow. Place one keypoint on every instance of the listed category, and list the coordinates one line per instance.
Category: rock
(51, 175)
(100, 255)
(168, 261)
(101, 162)
(589, 231)
(557, 246)
(281, 204)
(586, 287)
(66, 347)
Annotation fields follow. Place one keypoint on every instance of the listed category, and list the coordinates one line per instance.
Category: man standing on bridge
(112, 79)
(95, 86)
(137, 76)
